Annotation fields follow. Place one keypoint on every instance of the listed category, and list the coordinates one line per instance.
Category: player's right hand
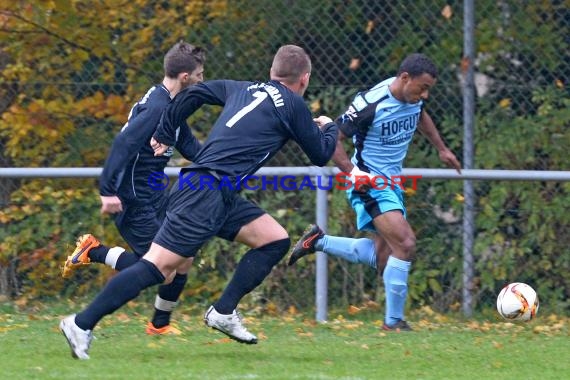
(362, 180)
(111, 204)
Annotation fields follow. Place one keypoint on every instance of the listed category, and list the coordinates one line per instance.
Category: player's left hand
(449, 159)
(322, 120)
(158, 148)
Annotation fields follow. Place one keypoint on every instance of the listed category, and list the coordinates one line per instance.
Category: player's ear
(305, 80)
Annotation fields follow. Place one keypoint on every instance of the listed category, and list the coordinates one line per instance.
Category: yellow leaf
(447, 12)
(315, 106)
(505, 103)
(369, 26)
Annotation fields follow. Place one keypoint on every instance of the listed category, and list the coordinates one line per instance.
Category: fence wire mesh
(70, 72)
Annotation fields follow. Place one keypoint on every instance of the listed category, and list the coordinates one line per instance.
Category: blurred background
(71, 70)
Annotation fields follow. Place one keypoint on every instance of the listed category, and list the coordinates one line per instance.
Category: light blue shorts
(374, 202)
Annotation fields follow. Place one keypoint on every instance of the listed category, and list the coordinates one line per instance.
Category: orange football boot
(164, 330)
(80, 256)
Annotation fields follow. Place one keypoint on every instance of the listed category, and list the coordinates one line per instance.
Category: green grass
(290, 347)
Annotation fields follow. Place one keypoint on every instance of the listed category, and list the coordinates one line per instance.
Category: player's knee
(276, 250)
(408, 247)
(168, 277)
(282, 246)
(184, 268)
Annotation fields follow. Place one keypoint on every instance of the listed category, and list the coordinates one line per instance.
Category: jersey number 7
(259, 97)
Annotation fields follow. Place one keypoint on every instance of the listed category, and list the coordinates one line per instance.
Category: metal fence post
(468, 138)
(321, 286)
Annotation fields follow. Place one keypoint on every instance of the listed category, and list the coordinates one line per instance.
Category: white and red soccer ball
(517, 302)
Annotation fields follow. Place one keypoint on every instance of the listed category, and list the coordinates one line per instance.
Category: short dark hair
(183, 58)
(417, 64)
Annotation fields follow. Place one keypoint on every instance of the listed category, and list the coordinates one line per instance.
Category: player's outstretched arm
(316, 138)
(184, 104)
(342, 161)
(427, 127)
(340, 157)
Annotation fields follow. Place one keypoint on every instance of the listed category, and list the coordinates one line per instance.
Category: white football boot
(78, 339)
(229, 324)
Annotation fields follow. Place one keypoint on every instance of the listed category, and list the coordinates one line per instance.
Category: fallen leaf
(353, 310)
(292, 310)
(497, 345)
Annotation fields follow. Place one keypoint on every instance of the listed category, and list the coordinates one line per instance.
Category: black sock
(125, 286)
(98, 254)
(125, 260)
(170, 292)
(252, 269)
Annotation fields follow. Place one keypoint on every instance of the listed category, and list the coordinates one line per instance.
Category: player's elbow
(321, 160)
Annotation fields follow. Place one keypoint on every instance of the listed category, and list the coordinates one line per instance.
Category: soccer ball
(517, 302)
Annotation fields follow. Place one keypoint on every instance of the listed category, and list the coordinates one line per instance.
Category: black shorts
(195, 215)
(139, 224)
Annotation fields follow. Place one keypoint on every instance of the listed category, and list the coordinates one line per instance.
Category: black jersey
(257, 120)
(131, 159)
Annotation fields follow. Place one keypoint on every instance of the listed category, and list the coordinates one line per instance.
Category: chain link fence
(69, 77)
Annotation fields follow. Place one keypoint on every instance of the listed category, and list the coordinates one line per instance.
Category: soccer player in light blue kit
(382, 122)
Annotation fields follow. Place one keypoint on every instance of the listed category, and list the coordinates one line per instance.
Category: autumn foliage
(70, 70)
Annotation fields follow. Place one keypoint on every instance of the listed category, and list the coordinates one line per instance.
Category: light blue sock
(396, 287)
(353, 250)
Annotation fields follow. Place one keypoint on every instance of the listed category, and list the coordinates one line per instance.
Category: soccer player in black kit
(257, 120)
(137, 208)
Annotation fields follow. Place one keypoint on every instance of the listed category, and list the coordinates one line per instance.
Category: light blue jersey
(382, 128)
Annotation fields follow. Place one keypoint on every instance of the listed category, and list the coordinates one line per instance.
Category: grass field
(290, 347)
